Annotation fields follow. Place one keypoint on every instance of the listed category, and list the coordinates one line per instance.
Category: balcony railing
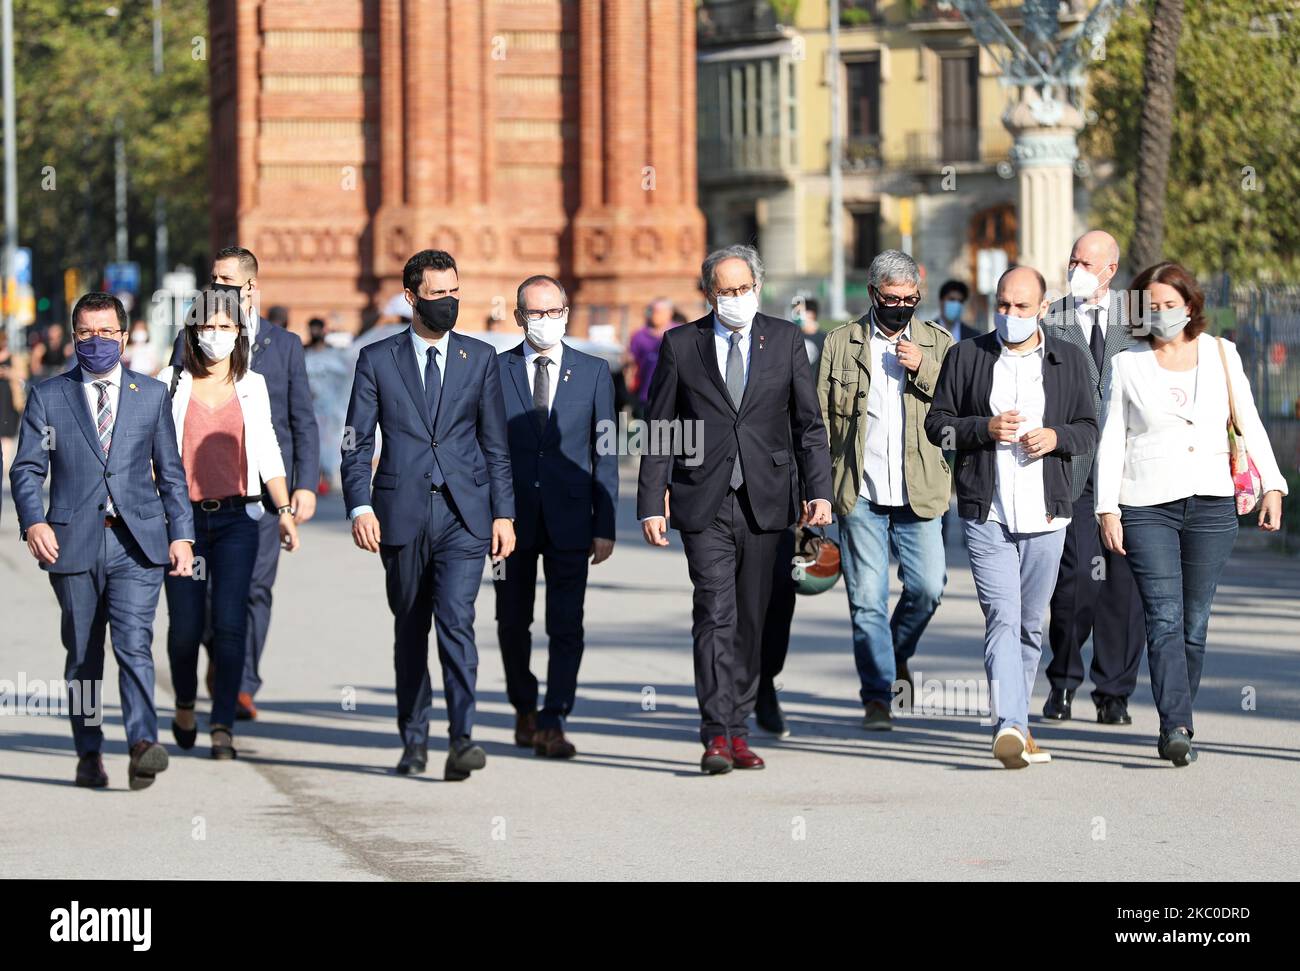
(926, 150)
(719, 21)
(767, 156)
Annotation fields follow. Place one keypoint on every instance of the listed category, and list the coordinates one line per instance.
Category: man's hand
(304, 505)
(181, 553)
(288, 533)
(600, 550)
(1270, 511)
(655, 531)
(1039, 442)
(365, 532)
(42, 543)
(1112, 533)
(1003, 427)
(816, 513)
(909, 355)
(503, 538)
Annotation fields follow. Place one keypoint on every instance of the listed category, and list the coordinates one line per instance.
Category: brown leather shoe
(525, 728)
(550, 743)
(1033, 754)
(90, 771)
(877, 717)
(743, 757)
(717, 756)
(147, 760)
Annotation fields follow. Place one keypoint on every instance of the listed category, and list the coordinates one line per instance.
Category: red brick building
(523, 136)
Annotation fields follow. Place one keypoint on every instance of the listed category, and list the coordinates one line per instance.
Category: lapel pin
(567, 372)
(463, 355)
(133, 387)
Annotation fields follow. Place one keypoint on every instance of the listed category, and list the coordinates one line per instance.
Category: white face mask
(1014, 330)
(1083, 284)
(1166, 324)
(546, 333)
(737, 312)
(217, 345)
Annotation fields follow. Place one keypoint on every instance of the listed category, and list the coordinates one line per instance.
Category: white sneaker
(1009, 748)
(1033, 754)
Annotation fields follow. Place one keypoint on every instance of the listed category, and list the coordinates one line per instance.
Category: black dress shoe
(415, 759)
(1113, 710)
(147, 760)
(1058, 704)
(1176, 746)
(185, 737)
(463, 757)
(90, 771)
(768, 713)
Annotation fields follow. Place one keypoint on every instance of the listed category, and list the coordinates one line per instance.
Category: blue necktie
(433, 392)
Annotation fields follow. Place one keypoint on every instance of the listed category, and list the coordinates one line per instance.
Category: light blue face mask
(952, 309)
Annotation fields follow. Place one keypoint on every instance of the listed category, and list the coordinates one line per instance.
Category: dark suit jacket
(778, 428)
(143, 472)
(959, 418)
(278, 357)
(560, 476)
(469, 436)
(1060, 323)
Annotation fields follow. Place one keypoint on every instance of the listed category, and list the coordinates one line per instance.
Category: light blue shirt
(421, 348)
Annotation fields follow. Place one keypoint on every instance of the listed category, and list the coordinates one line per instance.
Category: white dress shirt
(883, 481)
(1019, 502)
(1083, 315)
(722, 344)
(114, 379)
(556, 354)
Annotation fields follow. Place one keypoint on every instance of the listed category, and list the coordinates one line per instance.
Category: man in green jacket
(890, 485)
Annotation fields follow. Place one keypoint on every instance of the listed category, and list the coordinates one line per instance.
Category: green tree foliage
(1233, 200)
(79, 71)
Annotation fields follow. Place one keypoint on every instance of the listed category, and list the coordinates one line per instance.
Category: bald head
(1096, 252)
(1022, 292)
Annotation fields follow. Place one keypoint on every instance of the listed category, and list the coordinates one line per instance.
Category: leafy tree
(1233, 197)
(80, 73)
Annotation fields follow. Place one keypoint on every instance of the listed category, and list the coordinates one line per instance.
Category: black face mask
(893, 319)
(440, 314)
(234, 289)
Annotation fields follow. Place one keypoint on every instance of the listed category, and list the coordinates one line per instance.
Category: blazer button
(862, 394)
(428, 475)
(537, 485)
(108, 475)
(1191, 448)
(435, 444)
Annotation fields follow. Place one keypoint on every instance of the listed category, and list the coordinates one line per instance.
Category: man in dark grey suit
(1095, 593)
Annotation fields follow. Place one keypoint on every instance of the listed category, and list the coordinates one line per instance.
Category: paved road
(313, 794)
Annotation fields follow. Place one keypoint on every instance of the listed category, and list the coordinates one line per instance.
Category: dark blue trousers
(259, 600)
(121, 593)
(435, 579)
(566, 590)
(225, 550)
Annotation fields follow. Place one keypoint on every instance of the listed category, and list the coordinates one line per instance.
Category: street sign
(120, 278)
(20, 300)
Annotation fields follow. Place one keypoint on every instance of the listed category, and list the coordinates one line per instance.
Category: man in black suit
(277, 355)
(559, 402)
(744, 379)
(1095, 591)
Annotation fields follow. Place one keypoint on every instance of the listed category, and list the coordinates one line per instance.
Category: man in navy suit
(277, 355)
(440, 501)
(119, 513)
(558, 403)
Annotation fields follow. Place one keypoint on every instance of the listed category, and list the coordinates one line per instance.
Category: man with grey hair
(891, 484)
(744, 379)
(1095, 591)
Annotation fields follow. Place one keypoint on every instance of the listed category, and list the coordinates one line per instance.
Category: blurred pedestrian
(953, 297)
(329, 372)
(643, 351)
(140, 355)
(51, 354)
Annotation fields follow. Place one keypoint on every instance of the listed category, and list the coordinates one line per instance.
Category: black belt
(438, 490)
(230, 502)
(111, 521)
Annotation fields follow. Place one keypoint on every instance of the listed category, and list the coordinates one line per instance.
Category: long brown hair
(1174, 275)
(208, 304)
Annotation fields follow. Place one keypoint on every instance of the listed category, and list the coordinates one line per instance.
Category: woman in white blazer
(228, 446)
(1164, 487)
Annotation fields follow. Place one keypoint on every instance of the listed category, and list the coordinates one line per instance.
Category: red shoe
(743, 757)
(717, 756)
(245, 710)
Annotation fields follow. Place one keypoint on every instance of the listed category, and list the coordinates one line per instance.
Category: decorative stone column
(1044, 153)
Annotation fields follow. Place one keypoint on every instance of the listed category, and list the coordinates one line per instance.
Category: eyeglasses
(735, 291)
(555, 313)
(889, 300)
(112, 334)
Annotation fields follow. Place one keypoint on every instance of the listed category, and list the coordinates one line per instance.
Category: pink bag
(1246, 484)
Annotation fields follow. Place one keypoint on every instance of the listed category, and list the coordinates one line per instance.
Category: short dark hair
(954, 286)
(533, 281)
(208, 304)
(278, 314)
(1174, 275)
(99, 300)
(811, 304)
(247, 261)
(426, 259)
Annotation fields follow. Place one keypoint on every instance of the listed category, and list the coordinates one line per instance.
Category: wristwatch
(282, 510)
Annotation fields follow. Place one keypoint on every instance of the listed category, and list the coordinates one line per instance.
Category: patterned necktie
(104, 423)
(432, 393)
(542, 390)
(735, 388)
(1097, 340)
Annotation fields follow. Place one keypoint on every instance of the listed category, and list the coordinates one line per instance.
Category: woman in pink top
(229, 449)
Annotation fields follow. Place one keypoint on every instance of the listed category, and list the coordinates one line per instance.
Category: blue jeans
(1177, 551)
(867, 534)
(225, 550)
(1014, 575)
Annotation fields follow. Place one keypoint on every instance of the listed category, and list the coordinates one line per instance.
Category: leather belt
(230, 502)
(111, 521)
